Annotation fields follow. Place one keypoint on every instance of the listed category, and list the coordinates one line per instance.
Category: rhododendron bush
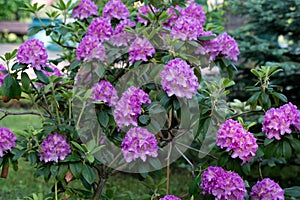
(141, 88)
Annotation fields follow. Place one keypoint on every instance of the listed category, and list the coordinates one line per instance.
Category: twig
(7, 113)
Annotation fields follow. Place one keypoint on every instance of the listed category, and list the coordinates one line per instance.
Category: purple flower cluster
(129, 106)
(115, 9)
(33, 52)
(120, 37)
(196, 11)
(54, 147)
(7, 140)
(171, 11)
(178, 78)
(189, 26)
(223, 45)
(223, 184)
(140, 49)
(278, 121)
(170, 197)
(186, 28)
(232, 136)
(266, 189)
(100, 28)
(85, 9)
(103, 91)
(139, 143)
(144, 10)
(2, 75)
(90, 48)
(55, 72)
(228, 46)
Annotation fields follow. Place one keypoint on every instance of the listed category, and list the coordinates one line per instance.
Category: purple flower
(90, 48)
(120, 37)
(7, 140)
(100, 28)
(228, 46)
(144, 10)
(178, 78)
(33, 52)
(196, 11)
(140, 49)
(115, 9)
(85, 9)
(105, 92)
(210, 47)
(278, 121)
(223, 184)
(232, 136)
(266, 189)
(170, 197)
(139, 143)
(2, 74)
(171, 11)
(54, 147)
(186, 28)
(129, 106)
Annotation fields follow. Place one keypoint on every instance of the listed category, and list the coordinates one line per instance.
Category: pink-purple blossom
(228, 46)
(115, 9)
(104, 91)
(186, 28)
(178, 78)
(139, 143)
(90, 48)
(266, 189)
(196, 11)
(7, 140)
(2, 74)
(232, 136)
(140, 49)
(170, 197)
(33, 52)
(100, 28)
(144, 10)
(171, 11)
(223, 184)
(129, 106)
(279, 121)
(54, 148)
(120, 37)
(85, 9)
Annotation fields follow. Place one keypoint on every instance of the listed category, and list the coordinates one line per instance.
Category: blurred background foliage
(268, 33)
(10, 10)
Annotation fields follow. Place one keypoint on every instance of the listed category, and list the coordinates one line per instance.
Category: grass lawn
(22, 183)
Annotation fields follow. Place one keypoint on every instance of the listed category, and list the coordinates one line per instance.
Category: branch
(7, 113)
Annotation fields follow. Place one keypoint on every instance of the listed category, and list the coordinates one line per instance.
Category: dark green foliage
(269, 36)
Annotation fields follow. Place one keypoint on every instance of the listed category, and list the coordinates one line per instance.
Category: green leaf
(62, 170)
(88, 174)
(292, 191)
(246, 168)
(103, 119)
(268, 141)
(25, 80)
(287, 150)
(78, 146)
(34, 30)
(41, 76)
(265, 101)
(76, 169)
(295, 143)
(90, 158)
(280, 96)
(18, 66)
